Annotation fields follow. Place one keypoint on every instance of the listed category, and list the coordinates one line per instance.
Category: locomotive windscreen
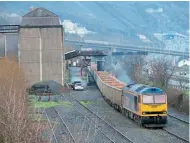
(160, 99)
(148, 99)
(154, 95)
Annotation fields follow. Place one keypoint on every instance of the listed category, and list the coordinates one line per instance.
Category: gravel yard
(85, 128)
(96, 103)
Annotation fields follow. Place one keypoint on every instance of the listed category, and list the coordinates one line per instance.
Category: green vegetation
(67, 76)
(42, 104)
(186, 93)
(33, 101)
(86, 103)
(16, 123)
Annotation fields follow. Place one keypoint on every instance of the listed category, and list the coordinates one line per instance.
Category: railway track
(178, 118)
(120, 137)
(71, 138)
(53, 132)
(174, 134)
(177, 136)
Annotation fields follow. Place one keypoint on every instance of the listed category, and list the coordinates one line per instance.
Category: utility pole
(5, 45)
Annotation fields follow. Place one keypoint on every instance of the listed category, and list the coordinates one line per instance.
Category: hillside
(119, 22)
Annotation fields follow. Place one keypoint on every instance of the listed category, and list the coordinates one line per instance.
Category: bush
(177, 100)
(15, 125)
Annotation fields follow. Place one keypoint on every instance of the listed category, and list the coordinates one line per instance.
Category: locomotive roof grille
(144, 89)
(152, 91)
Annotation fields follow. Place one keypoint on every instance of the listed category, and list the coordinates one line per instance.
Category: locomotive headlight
(164, 112)
(143, 113)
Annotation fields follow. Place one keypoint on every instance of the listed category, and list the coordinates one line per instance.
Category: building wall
(2, 45)
(9, 41)
(47, 64)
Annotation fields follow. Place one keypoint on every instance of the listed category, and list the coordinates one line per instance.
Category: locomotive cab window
(154, 96)
(148, 99)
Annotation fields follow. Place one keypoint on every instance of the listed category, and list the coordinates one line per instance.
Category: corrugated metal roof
(40, 12)
(40, 21)
(40, 17)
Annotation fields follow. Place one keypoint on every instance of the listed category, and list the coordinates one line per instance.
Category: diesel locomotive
(144, 104)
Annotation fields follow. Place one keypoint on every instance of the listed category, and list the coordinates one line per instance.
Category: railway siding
(176, 127)
(179, 115)
(110, 132)
(106, 84)
(60, 131)
(120, 122)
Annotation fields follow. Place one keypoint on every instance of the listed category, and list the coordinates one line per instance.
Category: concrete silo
(40, 46)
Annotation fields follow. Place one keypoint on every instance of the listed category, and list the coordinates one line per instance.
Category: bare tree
(160, 71)
(182, 84)
(15, 124)
(133, 65)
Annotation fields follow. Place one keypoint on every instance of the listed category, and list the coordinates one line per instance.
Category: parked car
(73, 84)
(78, 86)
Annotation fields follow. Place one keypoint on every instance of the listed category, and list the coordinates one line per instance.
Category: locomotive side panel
(130, 102)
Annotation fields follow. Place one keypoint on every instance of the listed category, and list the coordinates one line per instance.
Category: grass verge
(33, 101)
(86, 103)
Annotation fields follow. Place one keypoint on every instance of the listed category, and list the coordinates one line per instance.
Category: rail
(119, 133)
(177, 136)
(55, 138)
(64, 124)
(178, 118)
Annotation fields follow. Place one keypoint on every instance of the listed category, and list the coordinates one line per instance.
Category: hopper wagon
(144, 104)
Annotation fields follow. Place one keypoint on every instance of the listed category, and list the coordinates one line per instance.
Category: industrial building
(40, 46)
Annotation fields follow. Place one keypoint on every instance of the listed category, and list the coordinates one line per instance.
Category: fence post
(49, 94)
(39, 99)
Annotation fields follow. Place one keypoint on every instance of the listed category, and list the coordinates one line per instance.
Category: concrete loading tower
(40, 48)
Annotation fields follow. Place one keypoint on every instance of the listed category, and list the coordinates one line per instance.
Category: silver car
(78, 86)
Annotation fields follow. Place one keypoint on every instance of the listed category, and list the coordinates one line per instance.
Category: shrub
(15, 125)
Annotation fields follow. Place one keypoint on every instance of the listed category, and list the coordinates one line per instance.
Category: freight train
(144, 104)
